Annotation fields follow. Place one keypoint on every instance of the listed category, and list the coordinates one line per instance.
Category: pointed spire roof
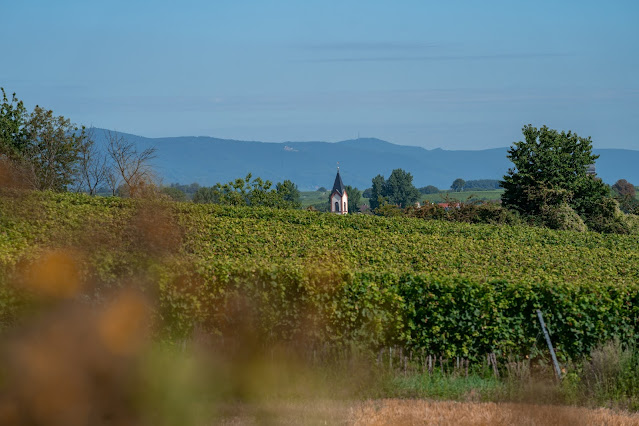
(338, 185)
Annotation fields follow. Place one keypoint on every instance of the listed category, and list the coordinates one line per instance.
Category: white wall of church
(340, 200)
(336, 199)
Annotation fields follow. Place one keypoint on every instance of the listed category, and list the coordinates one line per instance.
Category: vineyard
(432, 287)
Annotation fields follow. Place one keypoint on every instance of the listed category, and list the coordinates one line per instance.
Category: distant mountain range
(311, 165)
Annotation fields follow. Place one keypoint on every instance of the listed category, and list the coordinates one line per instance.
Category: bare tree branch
(92, 165)
(131, 168)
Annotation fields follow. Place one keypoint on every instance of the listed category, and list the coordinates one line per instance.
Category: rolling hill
(208, 160)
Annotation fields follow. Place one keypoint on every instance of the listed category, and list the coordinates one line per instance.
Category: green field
(365, 243)
(309, 198)
(366, 278)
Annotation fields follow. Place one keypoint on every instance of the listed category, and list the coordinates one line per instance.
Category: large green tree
(625, 193)
(550, 169)
(377, 192)
(458, 185)
(44, 148)
(51, 150)
(289, 193)
(429, 189)
(398, 190)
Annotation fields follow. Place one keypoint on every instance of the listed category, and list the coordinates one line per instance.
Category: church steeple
(338, 185)
(339, 197)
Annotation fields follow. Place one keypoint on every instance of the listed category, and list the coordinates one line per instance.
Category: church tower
(339, 198)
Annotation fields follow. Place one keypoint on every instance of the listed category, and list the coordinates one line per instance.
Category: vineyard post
(552, 351)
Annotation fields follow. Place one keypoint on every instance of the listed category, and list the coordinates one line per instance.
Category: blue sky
(454, 74)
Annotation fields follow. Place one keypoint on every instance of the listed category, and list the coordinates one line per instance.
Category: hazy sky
(450, 74)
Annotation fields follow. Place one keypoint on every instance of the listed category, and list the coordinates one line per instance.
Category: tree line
(252, 192)
(43, 151)
(549, 183)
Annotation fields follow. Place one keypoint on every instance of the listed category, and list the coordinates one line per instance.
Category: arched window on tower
(344, 206)
(336, 206)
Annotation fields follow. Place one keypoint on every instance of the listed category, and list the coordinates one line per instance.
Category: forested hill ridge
(208, 160)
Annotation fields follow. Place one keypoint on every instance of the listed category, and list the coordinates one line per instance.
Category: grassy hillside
(310, 198)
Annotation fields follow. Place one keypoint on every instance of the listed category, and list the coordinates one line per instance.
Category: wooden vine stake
(492, 360)
(552, 351)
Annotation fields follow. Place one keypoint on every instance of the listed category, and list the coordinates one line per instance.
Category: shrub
(469, 212)
(389, 210)
(495, 214)
(426, 211)
(606, 217)
(633, 223)
(562, 217)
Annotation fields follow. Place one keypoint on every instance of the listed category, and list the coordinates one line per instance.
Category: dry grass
(422, 412)
(418, 412)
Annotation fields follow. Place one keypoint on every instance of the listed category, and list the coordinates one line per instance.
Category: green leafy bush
(562, 217)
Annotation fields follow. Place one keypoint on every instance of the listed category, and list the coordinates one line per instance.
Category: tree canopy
(397, 190)
(12, 119)
(550, 174)
(429, 189)
(482, 184)
(624, 188)
(51, 150)
(548, 159)
(354, 198)
(289, 193)
(249, 192)
(40, 147)
(458, 185)
(625, 194)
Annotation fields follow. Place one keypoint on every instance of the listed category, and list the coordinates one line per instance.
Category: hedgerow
(451, 316)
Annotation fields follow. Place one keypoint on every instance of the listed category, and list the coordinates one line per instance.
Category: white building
(339, 197)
